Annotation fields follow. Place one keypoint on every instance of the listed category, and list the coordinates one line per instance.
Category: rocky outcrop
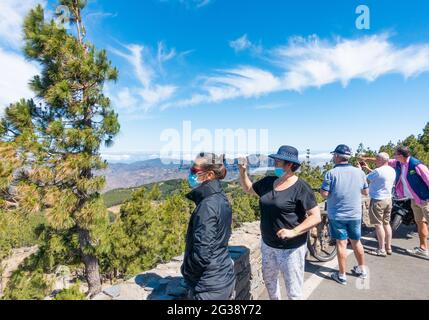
(166, 283)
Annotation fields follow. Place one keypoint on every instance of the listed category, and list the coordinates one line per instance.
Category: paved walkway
(399, 276)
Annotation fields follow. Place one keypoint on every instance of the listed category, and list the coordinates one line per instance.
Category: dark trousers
(222, 294)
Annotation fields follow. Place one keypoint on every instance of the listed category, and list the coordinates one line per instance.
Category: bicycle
(320, 244)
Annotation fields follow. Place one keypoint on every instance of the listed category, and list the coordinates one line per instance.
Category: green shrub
(147, 232)
(17, 230)
(72, 293)
(24, 285)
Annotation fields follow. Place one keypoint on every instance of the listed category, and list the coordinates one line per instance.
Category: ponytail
(214, 163)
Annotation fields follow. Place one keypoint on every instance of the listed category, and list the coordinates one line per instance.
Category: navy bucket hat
(287, 153)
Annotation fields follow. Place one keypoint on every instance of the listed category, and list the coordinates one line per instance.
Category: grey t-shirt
(345, 184)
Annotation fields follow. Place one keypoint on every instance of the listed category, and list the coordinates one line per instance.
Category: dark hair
(403, 151)
(295, 166)
(214, 163)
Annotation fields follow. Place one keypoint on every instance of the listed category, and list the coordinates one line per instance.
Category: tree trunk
(90, 261)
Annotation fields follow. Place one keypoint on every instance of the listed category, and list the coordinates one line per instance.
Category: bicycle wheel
(320, 244)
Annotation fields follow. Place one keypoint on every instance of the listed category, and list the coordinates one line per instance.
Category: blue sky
(300, 69)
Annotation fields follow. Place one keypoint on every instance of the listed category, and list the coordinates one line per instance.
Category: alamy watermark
(363, 21)
(185, 144)
(364, 283)
(62, 17)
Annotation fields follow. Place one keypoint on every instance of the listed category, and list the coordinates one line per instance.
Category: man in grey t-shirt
(343, 187)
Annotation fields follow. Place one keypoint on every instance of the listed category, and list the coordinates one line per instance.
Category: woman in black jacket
(207, 268)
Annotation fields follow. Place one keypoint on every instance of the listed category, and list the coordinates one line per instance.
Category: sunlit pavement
(399, 276)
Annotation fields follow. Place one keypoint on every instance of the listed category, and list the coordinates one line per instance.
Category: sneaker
(359, 272)
(336, 277)
(419, 252)
(411, 235)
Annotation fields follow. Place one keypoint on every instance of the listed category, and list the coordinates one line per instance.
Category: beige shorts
(380, 211)
(421, 212)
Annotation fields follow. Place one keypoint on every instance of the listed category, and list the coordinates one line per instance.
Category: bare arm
(245, 181)
(326, 186)
(364, 167)
(313, 219)
(368, 159)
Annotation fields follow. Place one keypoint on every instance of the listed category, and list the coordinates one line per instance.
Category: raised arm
(368, 159)
(245, 181)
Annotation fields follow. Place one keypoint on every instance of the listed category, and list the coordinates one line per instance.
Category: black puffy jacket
(207, 264)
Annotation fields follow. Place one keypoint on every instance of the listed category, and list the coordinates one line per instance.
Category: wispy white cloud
(156, 94)
(190, 3)
(243, 43)
(16, 71)
(134, 55)
(164, 54)
(100, 15)
(124, 98)
(15, 74)
(244, 82)
(12, 14)
(147, 67)
(312, 62)
(270, 106)
(201, 3)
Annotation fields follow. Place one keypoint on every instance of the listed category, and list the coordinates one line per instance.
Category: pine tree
(424, 138)
(389, 148)
(53, 142)
(147, 232)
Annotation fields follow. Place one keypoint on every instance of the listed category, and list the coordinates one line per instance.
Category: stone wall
(165, 281)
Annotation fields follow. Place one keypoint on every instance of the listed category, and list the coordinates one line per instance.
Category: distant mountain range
(129, 175)
(135, 174)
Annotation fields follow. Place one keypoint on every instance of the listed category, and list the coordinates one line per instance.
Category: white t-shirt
(407, 192)
(381, 184)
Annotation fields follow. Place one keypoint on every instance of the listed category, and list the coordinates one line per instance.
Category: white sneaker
(419, 252)
(359, 272)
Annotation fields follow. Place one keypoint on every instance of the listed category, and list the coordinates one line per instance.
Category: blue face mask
(193, 181)
(279, 172)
